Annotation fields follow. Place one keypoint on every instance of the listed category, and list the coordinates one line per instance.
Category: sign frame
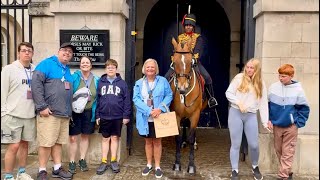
(92, 43)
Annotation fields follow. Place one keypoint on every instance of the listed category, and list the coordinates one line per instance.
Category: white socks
(42, 169)
(56, 166)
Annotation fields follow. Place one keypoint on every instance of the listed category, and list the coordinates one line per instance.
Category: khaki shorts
(14, 129)
(52, 130)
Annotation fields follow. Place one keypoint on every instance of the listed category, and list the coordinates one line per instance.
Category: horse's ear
(174, 43)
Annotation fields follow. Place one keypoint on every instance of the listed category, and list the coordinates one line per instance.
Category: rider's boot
(212, 102)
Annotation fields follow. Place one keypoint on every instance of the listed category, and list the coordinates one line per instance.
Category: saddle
(201, 80)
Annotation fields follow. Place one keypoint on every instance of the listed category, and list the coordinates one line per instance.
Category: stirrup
(212, 102)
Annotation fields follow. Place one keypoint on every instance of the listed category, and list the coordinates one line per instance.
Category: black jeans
(204, 73)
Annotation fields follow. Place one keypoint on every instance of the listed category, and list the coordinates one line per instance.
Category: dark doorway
(213, 24)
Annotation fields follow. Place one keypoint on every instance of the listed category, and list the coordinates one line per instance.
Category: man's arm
(198, 48)
(37, 87)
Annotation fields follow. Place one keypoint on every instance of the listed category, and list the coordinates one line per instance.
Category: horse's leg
(192, 133)
(184, 133)
(178, 138)
(195, 142)
(191, 166)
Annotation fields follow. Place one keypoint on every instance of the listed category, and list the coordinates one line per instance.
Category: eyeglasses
(26, 50)
(66, 50)
(111, 68)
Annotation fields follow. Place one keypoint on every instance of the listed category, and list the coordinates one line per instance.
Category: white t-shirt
(145, 94)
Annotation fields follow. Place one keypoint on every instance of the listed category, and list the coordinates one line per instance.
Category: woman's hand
(155, 112)
(125, 121)
(242, 107)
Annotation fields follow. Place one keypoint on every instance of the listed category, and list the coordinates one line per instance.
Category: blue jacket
(161, 94)
(288, 105)
(48, 87)
(113, 99)
(76, 83)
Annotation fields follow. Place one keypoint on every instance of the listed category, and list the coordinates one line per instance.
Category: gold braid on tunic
(184, 38)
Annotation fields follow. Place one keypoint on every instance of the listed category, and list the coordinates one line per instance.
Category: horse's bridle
(188, 76)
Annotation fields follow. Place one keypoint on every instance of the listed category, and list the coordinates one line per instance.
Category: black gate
(16, 27)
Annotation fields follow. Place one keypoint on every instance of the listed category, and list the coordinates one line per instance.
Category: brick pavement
(211, 158)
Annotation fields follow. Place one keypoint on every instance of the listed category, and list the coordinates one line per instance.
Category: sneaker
(23, 176)
(11, 178)
(72, 167)
(61, 173)
(146, 171)
(158, 173)
(42, 175)
(115, 166)
(83, 165)
(102, 168)
(256, 174)
(234, 175)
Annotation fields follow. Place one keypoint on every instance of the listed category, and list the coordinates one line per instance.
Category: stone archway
(212, 22)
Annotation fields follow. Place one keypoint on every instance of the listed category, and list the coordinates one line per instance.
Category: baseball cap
(67, 44)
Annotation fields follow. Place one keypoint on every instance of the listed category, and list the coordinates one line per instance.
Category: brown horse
(188, 98)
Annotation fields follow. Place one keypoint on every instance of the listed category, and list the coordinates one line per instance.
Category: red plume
(183, 19)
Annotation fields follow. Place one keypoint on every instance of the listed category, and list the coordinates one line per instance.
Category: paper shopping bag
(166, 125)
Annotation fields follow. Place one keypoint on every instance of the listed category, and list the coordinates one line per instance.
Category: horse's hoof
(192, 170)
(176, 167)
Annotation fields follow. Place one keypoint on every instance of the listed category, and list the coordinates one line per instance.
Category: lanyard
(87, 82)
(28, 78)
(149, 89)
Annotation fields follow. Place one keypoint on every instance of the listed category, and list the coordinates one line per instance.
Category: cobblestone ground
(211, 159)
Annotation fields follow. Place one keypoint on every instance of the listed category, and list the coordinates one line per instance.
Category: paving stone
(211, 159)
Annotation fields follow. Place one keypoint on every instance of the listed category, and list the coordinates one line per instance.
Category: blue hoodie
(76, 83)
(288, 105)
(113, 99)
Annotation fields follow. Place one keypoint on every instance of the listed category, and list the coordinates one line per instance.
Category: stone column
(287, 31)
(51, 16)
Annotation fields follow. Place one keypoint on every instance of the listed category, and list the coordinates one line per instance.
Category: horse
(188, 98)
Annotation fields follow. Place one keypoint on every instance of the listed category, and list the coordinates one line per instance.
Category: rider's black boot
(212, 102)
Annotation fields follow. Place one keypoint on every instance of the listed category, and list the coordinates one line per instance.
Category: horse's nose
(182, 91)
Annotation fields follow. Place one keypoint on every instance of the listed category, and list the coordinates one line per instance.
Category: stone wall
(287, 31)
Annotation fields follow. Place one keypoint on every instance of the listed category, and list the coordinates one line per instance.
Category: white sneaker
(23, 176)
(9, 179)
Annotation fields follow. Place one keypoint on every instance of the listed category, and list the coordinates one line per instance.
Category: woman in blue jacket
(150, 94)
(82, 123)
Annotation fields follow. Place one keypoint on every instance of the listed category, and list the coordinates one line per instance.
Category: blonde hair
(255, 80)
(150, 60)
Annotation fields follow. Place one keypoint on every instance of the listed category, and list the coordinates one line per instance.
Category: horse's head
(182, 65)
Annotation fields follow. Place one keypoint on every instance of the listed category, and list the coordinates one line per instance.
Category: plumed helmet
(189, 19)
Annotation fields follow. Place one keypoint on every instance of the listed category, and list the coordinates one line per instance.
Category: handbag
(166, 124)
(80, 99)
